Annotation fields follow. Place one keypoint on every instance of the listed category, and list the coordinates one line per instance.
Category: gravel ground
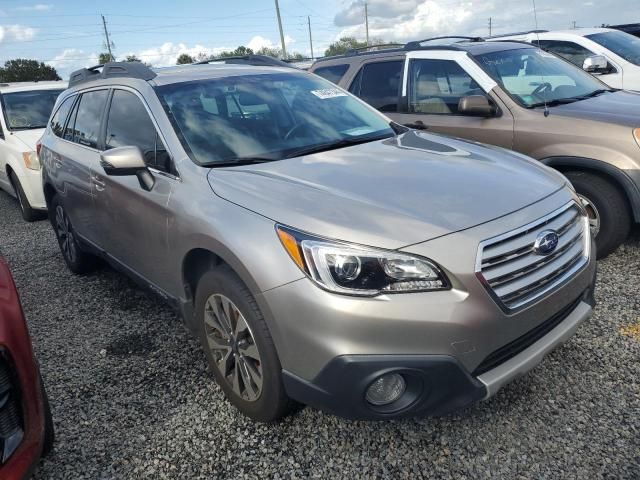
(131, 397)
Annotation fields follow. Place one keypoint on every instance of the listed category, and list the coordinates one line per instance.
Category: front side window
(622, 44)
(334, 73)
(378, 84)
(436, 86)
(129, 124)
(29, 110)
(570, 51)
(60, 117)
(266, 117)
(534, 77)
(86, 128)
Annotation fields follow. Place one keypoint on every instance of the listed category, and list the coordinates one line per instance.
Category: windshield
(30, 109)
(621, 43)
(533, 77)
(266, 117)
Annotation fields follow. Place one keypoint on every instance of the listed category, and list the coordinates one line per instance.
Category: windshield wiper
(30, 127)
(345, 142)
(239, 161)
(564, 101)
(595, 93)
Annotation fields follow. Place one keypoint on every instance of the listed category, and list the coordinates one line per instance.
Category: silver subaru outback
(322, 254)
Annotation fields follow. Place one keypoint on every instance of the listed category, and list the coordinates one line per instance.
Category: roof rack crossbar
(254, 60)
(418, 43)
(111, 70)
(526, 32)
(374, 48)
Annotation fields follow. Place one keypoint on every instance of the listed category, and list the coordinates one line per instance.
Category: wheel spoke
(241, 325)
(250, 390)
(218, 343)
(235, 381)
(254, 373)
(226, 363)
(212, 321)
(249, 350)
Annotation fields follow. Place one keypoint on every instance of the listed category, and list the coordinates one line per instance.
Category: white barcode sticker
(328, 93)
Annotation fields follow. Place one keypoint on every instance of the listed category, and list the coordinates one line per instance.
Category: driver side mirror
(124, 161)
(596, 64)
(476, 106)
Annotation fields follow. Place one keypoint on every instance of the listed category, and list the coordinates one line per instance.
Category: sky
(68, 34)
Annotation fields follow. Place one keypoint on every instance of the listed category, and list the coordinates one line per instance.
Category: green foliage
(185, 58)
(105, 57)
(345, 44)
(24, 70)
(238, 52)
(132, 58)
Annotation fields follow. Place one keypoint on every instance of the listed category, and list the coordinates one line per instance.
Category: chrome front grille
(516, 274)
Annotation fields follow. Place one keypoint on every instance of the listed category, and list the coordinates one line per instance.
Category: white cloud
(258, 42)
(168, 53)
(16, 33)
(39, 7)
(72, 59)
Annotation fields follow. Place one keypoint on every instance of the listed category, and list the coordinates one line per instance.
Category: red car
(26, 426)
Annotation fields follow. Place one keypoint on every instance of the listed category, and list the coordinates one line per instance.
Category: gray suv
(322, 254)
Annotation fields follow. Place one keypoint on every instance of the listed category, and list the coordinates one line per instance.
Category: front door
(433, 84)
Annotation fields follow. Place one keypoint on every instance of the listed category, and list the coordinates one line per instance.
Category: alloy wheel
(593, 214)
(65, 234)
(233, 347)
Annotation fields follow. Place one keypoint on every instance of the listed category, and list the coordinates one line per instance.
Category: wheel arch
(629, 183)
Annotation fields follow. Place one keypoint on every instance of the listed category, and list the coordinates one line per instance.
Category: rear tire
(254, 348)
(78, 261)
(606, 202)
(28, 214)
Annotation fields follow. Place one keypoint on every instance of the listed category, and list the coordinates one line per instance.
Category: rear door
(132, 221)
(432, 86)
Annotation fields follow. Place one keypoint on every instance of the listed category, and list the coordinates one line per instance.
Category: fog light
(386, 389)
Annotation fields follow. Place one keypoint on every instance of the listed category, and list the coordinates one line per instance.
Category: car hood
(390, 193)
(28, 137)
(620, 107)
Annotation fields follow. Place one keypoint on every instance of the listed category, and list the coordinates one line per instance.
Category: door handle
(99, 184)
(417, 125)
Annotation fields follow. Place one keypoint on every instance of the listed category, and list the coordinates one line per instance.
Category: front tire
(609, 214)
(239, 347)
(77, 260)
(28, 214)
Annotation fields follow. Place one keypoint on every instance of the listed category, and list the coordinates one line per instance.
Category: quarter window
(334, 73)
(129, 124)
(436, 86)
(86, 129)
(60, 117)
(378, 84)
(570, 51)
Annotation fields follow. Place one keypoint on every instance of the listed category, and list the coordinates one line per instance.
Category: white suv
(585, 47)
(25, 108)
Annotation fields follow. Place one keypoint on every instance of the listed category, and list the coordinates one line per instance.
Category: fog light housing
(386, 389)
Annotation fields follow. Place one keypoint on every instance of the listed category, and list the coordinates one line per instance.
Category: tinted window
(573, 52)
(621, 43)
(69, 130)
(30, 109)
(129, 124)
(87, 123)
(60, 117)
(270, 116)
(436, 86)
(334, 73)
(379, 85)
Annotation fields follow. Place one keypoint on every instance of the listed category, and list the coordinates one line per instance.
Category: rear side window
(378, 84)
(334, 73)
(129, 124)
(60, 117)
(570, 51)
(86, 129)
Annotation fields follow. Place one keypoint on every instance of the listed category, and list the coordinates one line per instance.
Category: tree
(132, 58)
(24, 70)
(105, 57)
(185, 58)
(241, 51)
(345, 44)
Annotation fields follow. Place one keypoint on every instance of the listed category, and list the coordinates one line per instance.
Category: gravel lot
(131, 397)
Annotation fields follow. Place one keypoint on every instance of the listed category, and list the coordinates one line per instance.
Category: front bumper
(436, 384)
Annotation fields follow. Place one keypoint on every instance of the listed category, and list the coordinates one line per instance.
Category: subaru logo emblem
(546, 242)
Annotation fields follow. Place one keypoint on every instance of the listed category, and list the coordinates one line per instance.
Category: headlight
(356, 270)
(31, 160)
(636, 135)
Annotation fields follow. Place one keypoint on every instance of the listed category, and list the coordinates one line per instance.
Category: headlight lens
(636, 135)
(356, 270)
(31, 160)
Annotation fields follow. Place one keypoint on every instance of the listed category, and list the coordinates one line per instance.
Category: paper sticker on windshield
(328, 93)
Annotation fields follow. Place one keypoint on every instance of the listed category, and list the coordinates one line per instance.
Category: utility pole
(284, 50)
(106, 37)
(366, 21)
(310, 39)
(490, 25)
(574, 24)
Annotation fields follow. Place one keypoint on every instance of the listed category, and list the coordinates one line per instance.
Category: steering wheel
(294, 129)
(543, 87)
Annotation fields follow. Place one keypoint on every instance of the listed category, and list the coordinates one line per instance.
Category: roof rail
(526, 32)
(418, 43)
(112, 70)
(374, 48)
(255, 60)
